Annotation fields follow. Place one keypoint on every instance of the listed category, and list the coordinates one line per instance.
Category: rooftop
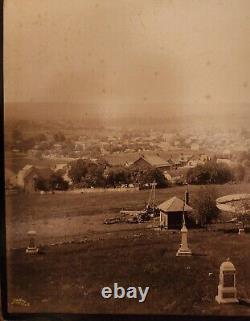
(174, 204)
(155, 160)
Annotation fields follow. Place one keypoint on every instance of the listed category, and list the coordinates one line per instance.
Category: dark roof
(154, 160)
(174, 204)
(121, 159)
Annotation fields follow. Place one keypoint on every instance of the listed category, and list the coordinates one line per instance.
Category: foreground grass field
(69, 278)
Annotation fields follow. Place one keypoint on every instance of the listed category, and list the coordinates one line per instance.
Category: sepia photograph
(126, 158)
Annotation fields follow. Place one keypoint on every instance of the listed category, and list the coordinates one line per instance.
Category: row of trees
(85, 173)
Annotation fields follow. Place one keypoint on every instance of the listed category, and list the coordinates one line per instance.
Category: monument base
(184, 252)
(226, 295)
(32, 250)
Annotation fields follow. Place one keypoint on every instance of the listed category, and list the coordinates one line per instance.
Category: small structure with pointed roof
(171, 213)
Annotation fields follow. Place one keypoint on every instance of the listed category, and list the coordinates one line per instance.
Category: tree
(94, 177)
(87, 173)
(59, 137)
(78, 169)
(209, 173)
(118, 175)
(57, 182)
(148, 176)
(205, 204)
(42, 184)
(54, 182)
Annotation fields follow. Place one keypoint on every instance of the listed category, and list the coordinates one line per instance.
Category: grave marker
(32, 248)
(227, 284)
(184, 249)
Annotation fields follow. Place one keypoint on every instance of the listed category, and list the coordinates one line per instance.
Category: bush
(54, 182)
(42, 184)
(117, 176)
(148, 176)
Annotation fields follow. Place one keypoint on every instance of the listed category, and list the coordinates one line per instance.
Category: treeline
(85, 173)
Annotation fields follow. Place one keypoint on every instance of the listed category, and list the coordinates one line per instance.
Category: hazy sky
(141, 52)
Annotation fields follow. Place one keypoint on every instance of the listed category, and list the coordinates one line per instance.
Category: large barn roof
(174, 204)
(155, 160)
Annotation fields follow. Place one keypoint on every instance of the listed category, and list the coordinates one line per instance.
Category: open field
(69, 278)
(65, 216)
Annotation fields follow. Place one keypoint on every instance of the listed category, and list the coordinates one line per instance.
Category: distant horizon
(126, 109)
(97, 116)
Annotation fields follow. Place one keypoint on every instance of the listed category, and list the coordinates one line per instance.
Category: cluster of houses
(213, 140)
(174, 170)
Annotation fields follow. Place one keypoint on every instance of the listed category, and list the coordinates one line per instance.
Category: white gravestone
(227, 284)
(32, 248)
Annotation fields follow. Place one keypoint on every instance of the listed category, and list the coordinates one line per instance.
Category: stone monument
(32, 248)
(184, 249)
(227, 284)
